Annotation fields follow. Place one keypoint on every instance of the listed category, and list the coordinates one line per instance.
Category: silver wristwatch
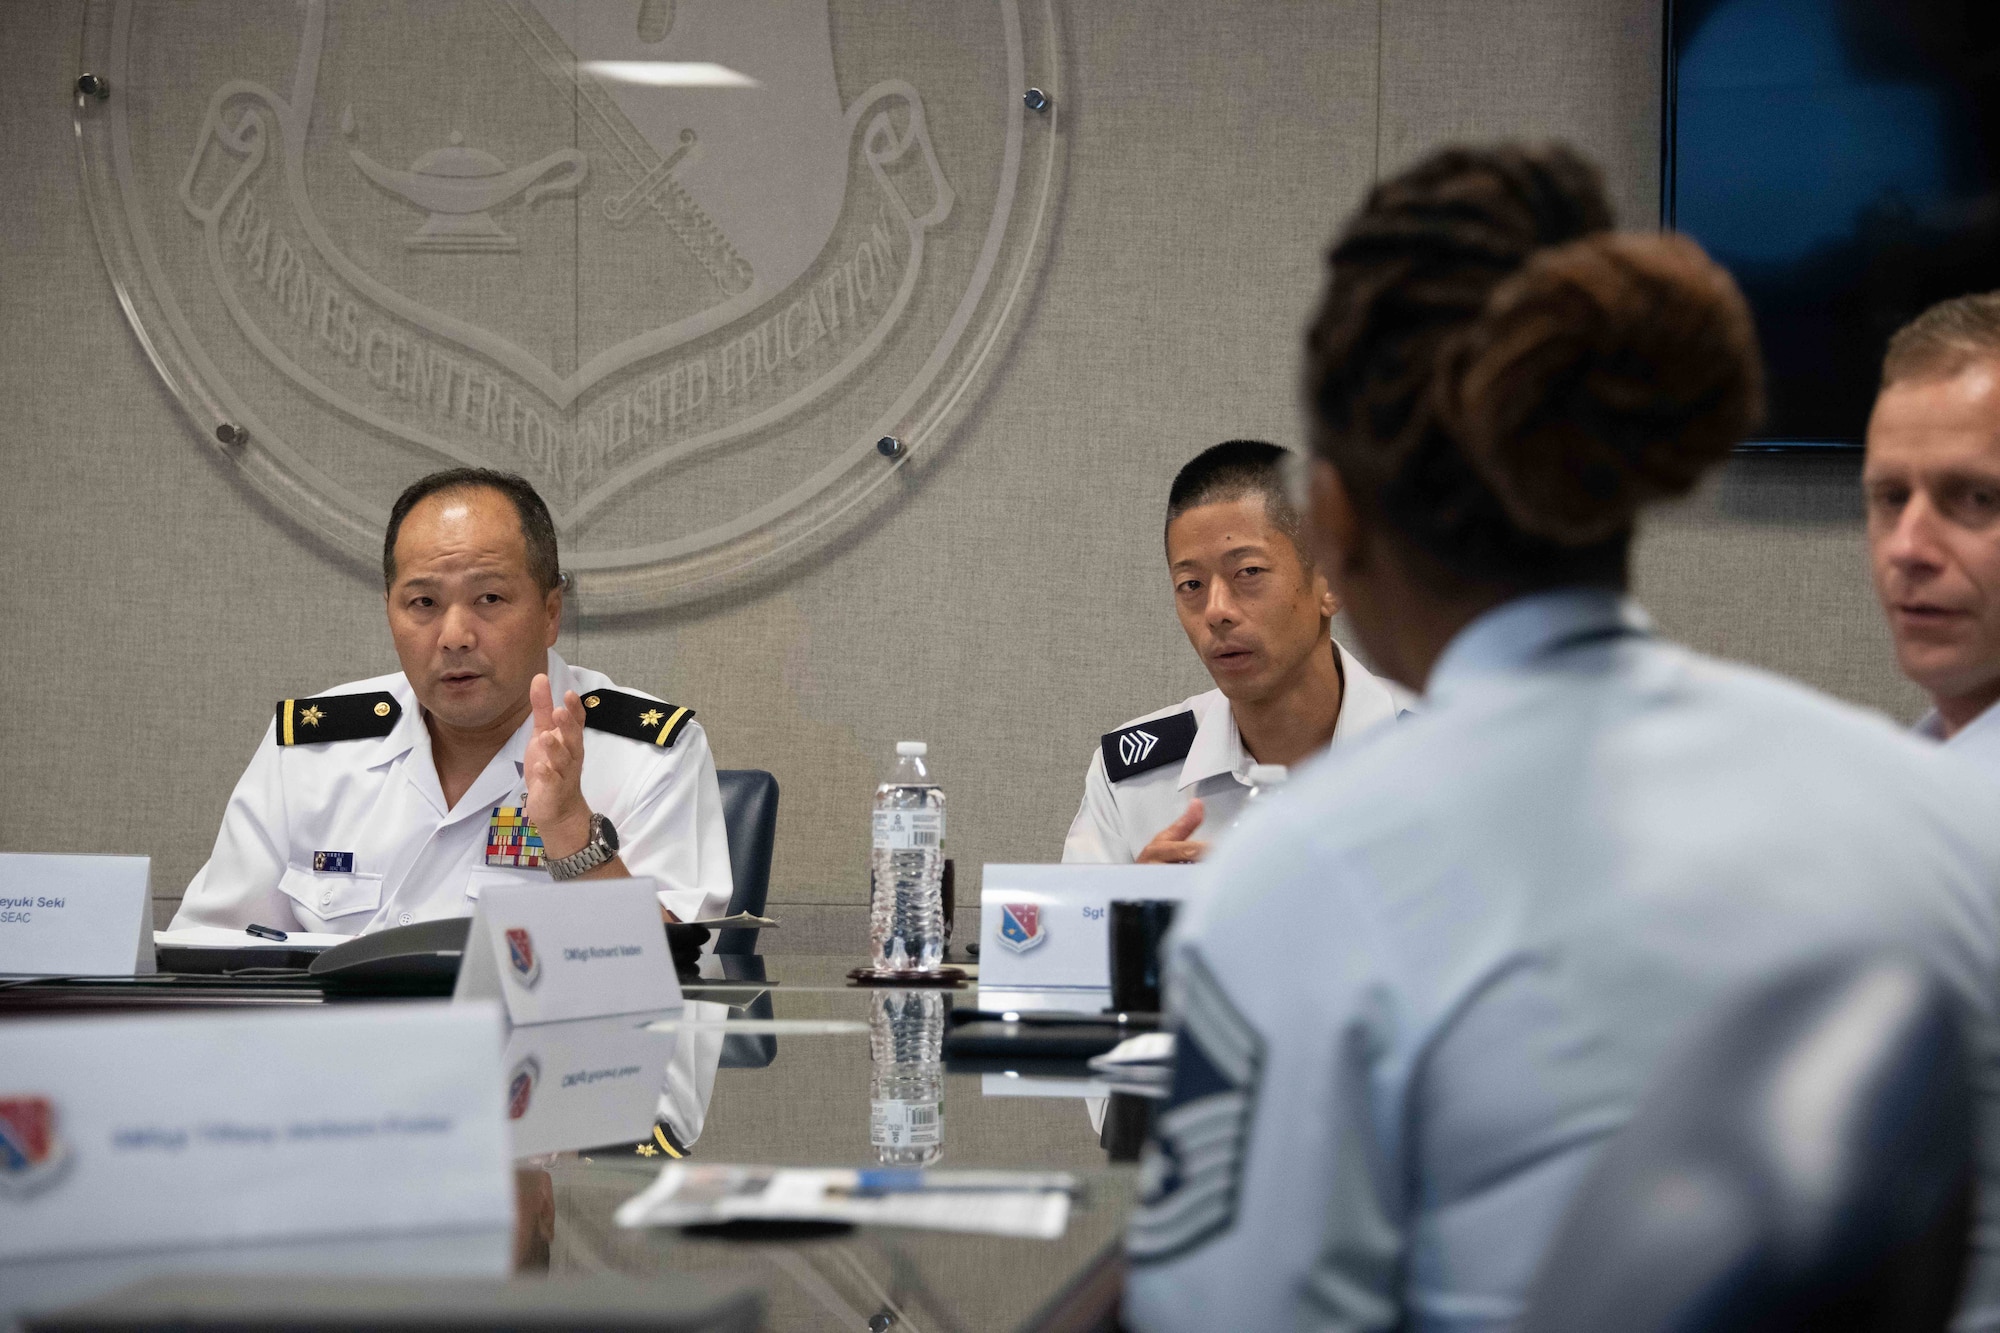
(603, 845)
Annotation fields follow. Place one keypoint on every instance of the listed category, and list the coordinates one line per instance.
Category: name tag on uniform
(75, 915)
(333, 863)
(511, 840)
(551, 952)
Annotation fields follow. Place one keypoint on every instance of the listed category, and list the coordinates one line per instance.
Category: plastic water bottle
(906, 1084)
(906, 898)
(1264, 779)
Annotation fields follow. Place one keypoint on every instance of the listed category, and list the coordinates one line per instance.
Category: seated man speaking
(486, 760)
(1260, 617)
(1932, 481)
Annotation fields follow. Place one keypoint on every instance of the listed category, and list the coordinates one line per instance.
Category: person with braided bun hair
(1537, 887)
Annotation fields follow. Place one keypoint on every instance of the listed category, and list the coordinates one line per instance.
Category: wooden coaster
(944, 976)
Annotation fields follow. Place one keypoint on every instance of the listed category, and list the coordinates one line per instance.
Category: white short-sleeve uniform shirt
(347, 837)
(1404, 1033)
(1165, 759)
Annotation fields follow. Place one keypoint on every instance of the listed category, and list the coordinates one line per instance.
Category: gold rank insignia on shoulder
(337, 717)
(635, 717)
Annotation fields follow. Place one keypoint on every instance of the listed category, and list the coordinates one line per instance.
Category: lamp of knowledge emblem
(681, 263)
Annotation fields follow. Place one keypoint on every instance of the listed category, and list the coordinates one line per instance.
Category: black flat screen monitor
(1842, 157)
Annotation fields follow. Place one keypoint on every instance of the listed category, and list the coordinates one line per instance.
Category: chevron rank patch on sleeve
(1192, 1168)
(1145, 746)
(337, 717)
(635, 717)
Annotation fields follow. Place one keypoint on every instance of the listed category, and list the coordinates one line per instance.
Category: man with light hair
(1932, 482)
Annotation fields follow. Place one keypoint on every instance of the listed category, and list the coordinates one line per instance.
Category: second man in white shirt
(1164, 785)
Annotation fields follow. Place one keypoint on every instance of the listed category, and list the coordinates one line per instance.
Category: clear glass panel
(682, 263)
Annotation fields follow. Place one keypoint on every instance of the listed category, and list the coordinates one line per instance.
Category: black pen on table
(266, 933)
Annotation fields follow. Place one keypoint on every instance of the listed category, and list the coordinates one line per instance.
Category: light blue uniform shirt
(1406, 1028)
(1978, 740)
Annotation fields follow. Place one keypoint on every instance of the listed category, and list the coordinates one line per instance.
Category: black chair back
(1807, 1163)
(750, 815)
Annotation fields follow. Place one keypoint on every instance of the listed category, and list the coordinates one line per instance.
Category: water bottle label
(909, 830)
(904, 1124)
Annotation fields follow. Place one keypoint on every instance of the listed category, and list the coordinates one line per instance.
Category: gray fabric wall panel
(154, 609)
(1768, 564)
(1007, 605)
(1587, 71)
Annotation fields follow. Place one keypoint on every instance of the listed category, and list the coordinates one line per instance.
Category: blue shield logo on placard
(32, 1154)
(1021, 926)
(521, 954)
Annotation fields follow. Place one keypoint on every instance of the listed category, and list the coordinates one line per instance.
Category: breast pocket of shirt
(485, 877)
(330, 898)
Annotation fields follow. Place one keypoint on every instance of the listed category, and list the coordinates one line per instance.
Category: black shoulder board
(636, 717)
(1145, 746)
(337, 717)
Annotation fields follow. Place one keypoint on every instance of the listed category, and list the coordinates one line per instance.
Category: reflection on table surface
(826, 1074)
(777, 1061)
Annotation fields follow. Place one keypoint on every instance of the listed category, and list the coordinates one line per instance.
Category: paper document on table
(224, 937)
(994, 1203)
(749, 919)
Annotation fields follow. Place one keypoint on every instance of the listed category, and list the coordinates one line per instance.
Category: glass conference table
(792, 1086)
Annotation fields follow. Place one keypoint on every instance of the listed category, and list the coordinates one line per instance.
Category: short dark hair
(1232, 470)
(538, 530)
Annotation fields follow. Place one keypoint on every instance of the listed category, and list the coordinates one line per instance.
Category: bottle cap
(1268, 775)
(912, 749)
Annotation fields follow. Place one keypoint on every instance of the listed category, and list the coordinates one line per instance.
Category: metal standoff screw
(890, 447)
(231, 433)
(1036, 99)
(93, 85)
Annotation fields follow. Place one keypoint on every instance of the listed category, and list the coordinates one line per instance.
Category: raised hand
(553, 771)
(1171, 845)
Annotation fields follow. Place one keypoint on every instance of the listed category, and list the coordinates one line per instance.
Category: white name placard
(552, 952)
(184, 1132)
(1050, 926)
(75, 915)
(584, 1083)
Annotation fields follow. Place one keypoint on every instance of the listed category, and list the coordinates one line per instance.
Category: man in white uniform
(1932, 481)
(486, 760)
(1258, 614)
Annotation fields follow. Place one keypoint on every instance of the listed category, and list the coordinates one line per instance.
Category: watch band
(603, 846)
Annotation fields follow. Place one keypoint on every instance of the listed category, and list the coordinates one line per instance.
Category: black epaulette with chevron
(1145, 746)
